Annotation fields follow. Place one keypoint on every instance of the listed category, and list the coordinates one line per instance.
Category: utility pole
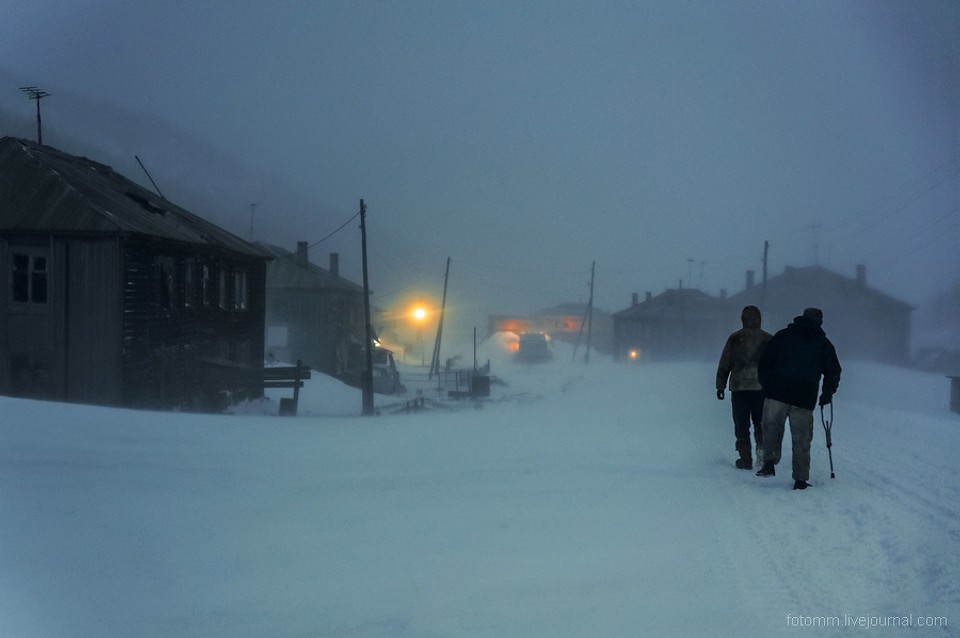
(36, 94)
(586, 321)
(366, 380)
(593, 268)
(435, 360)
(763, 287)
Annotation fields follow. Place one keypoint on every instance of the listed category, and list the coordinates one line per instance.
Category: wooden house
(862, 322)
(313, 314)
(116, 296)
(677, 324)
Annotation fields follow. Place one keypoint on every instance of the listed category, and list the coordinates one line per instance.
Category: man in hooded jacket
(738, 362)
(790, 369)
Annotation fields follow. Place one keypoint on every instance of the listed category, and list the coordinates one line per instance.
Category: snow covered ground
(579, 501)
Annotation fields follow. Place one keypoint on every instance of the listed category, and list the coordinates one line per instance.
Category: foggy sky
(665, 140)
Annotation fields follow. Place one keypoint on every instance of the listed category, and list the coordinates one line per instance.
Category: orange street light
(419, 314)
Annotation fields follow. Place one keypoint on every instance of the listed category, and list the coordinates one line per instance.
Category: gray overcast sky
(665, 140)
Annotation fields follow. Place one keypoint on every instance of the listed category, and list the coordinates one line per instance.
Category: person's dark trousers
(747, 406)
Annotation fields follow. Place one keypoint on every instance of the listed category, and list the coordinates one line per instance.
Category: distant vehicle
(386, 377)
(534, 347)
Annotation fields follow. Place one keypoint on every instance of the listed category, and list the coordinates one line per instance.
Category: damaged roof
(45, 190)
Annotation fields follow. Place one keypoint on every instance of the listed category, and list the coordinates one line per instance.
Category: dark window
(166, 291)
(239, 291)
(21, 278)
(28, 281)
(189, 270)
(222, 290)
(206, 287)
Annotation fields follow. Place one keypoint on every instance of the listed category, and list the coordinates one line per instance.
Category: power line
(339, 228)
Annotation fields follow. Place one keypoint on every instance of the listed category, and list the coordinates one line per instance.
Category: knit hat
(814, 314)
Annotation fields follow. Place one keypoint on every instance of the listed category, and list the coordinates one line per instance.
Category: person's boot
(767, 469)
(745, 462)
(800, 485)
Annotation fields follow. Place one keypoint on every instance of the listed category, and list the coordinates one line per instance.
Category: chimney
(634, 299)
(335, 264)
(723, 293)
(302, 248)
(649, 295)
(861, 275)
(749, 279)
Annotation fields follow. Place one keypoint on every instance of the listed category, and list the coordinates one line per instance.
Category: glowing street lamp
(419, 315)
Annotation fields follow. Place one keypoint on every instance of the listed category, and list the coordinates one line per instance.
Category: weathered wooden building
(115, 296)
(313, 314)
(677, 324)
(862, 322)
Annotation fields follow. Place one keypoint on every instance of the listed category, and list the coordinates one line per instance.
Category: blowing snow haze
(524, 140)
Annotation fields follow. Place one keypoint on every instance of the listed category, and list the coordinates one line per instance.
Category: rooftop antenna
(155, 187)
(253, 209)
(36, 94)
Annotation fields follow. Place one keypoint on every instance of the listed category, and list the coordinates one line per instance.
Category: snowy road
(608, 506)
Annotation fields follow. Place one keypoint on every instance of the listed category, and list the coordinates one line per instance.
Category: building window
(240, 291)
(164, 267)
(222, 289)
(189, 277)
(206, 286)
(29, 278)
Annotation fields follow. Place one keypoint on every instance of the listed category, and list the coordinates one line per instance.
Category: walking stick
(827, 425)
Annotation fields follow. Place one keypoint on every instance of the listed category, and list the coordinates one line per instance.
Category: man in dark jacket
(738, 361)
(789, 370)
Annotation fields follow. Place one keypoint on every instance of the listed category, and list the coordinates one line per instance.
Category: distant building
(677, 324)
(862, 322)
(313, 314)
(116, 296)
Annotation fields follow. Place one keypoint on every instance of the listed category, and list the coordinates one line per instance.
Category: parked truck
(534, 347)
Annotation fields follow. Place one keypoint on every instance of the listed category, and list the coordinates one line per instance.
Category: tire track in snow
(902, 546)
(767, 561)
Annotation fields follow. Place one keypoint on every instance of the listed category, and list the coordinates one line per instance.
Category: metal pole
(593, 268)
(435, 360)
(155, 187)
(366, 381)
(36, 94)
(763, 289)
(39, 124)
